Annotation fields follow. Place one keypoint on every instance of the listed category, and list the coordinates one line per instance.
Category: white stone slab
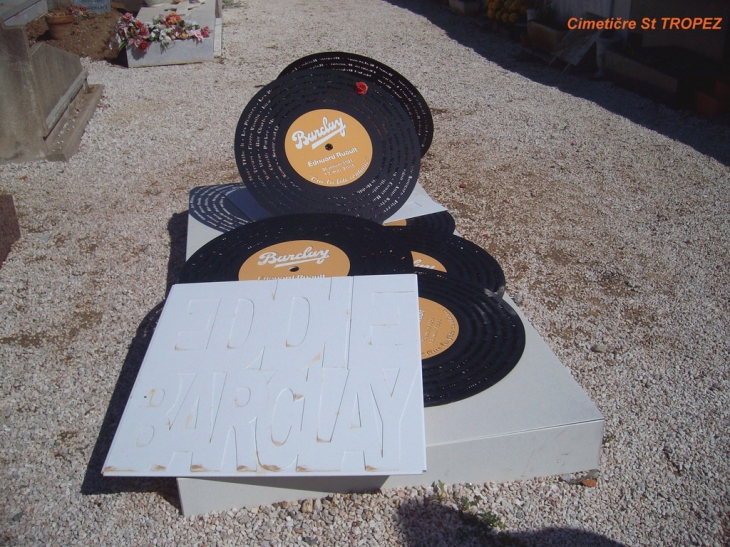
(198, 235)
(296, 377)
(21, 12)
(535, 422)
(218, 38)
(419, 203)
(180, 51)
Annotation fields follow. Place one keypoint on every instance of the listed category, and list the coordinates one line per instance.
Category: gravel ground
(608, 212)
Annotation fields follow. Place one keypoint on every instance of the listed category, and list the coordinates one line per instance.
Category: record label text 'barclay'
(328, 147)
(296, 258)
(280, 261)
(320, 135)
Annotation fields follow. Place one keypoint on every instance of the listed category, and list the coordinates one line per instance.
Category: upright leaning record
(374, 71)
(323, 141)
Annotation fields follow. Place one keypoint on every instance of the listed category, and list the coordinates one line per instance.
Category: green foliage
(491, 521)
(440, 492)
(483, 525)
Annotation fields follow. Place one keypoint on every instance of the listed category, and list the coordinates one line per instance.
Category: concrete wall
(712, 44)
(604, 8)
(706, 42)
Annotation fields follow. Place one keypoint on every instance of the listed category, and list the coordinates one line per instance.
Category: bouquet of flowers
(164, 29)
(78, 11)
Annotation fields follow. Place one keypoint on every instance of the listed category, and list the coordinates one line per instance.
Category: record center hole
(328, 146)
(294, 269)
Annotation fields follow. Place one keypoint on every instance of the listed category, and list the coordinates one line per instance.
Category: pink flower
(198, 34)
(127, 17)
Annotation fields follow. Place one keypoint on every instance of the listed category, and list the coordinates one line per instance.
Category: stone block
(642, 78)
(707, 105)
(58, 77)
(38, 85)
(95, 6)
(9, 227)
(544, 37)
(22, 12)
(536, 422)
(466, 7)
(23, 127)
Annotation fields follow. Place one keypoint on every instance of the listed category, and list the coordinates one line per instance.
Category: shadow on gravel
(177, 227)
(436, 524)
(94, 481)
(710, 137)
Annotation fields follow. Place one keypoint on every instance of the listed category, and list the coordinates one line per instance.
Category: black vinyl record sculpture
(295, 246)
(441, 221)
(459, 258)
(323, 141)
(374, 71)
(470, 338)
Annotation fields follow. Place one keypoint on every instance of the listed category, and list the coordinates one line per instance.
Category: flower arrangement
(164, 29)
(78, 11)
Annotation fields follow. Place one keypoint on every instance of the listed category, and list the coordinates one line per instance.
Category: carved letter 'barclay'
(318, 136)
(308, 255)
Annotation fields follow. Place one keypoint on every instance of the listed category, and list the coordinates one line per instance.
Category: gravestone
(95, 6)
(536, 422)
(45, 101)
(207, 13)
(9, 227)
(21, 12)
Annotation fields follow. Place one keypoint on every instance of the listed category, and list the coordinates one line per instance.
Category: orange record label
(301, 258)
(421, 260)
(328, 147)
(439, 328)
(396, 223)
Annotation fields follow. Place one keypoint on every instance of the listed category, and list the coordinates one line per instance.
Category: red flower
(143, 46)
(361, 88)
(205, 31)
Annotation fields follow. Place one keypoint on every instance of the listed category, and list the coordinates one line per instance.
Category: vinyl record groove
(309, 143)
(374, 71)
(470, 338)
(294, 246)
(458, 257)
(209, 205)
(441, 222)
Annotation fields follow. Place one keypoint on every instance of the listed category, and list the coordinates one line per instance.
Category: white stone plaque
(294, 377)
